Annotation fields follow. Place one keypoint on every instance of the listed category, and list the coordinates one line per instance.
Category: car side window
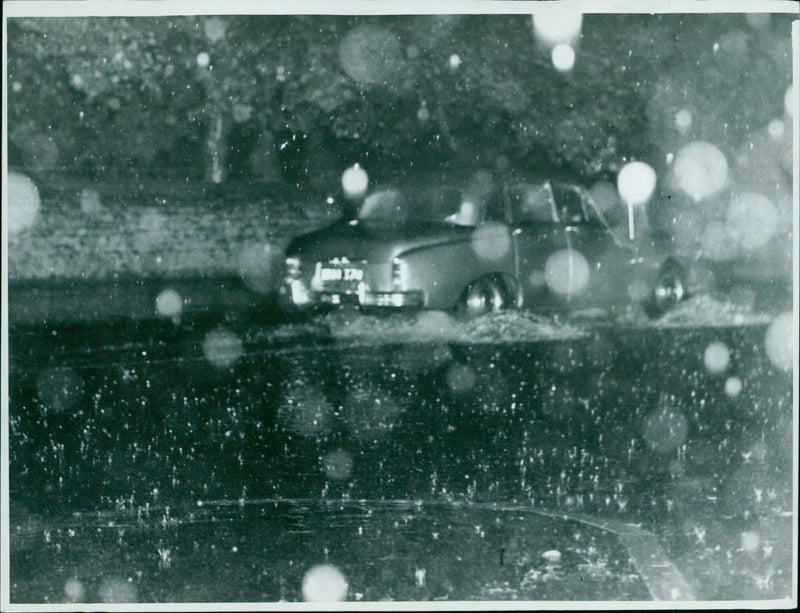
(569, 205)
(531, 203)
(495, 207)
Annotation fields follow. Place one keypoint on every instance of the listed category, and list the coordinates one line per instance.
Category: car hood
(373, 241)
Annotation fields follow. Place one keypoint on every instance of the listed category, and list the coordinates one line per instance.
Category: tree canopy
(212, 96)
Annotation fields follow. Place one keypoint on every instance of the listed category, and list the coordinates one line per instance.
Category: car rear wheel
(483, 296)
(670, 287)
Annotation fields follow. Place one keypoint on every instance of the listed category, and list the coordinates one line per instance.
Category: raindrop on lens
(324, 583)
(700, 170)
(552, 29)
(750, 541)
(115, 589)
(790, 101)
(74, 590)
(337, 464)
(716, 357)
(257, 266)
(566, 272)
(776, 129)
(169, 303)
(423, 114)
(778, 341)
(23, 203)
(665, 429)
(369, 412)
(460, 378)
(683, 120)
(355, 182)
(733, 386)
(304, 410)
(718, 243)
(563, 57)
(59, 389)
(636, 182)
(753, 219)
(215, 29)
(222, 348)
(491, 241)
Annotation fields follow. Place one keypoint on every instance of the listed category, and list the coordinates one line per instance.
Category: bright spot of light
(169, 303)
(665, 429)
(337, 464)
(776, 129)
(554, 28)
(59, 389)
(636, 183)
(717, 357)
(566, 272)
(752, 219)
(778, 341)
(455, 61)
(23, 203)
(563, 57)
(203, 59)
(116, 589)
(790, 101)
(683, 120)
(491, 241)
(355, 182)
(74, 590)
(733, 386)
(701, 170)
(222, 348)
(324, 583)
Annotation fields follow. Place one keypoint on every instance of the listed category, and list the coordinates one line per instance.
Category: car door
(535, 234)
(596, 268)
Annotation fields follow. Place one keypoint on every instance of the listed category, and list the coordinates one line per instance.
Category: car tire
(483, 296)
(670, 288)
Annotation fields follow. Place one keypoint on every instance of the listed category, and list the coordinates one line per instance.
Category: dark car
(540, 245)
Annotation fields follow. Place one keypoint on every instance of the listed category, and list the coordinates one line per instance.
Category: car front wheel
(483, 296)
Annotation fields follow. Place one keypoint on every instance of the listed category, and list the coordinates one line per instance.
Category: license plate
(341, 274)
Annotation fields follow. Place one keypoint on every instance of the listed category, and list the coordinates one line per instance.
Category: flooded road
(683, 432)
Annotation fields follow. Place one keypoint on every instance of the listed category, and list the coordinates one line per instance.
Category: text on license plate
(341, 274)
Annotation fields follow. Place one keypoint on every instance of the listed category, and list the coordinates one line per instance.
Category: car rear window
(393, 205)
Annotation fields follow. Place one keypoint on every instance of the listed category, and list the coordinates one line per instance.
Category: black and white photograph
(364, 305)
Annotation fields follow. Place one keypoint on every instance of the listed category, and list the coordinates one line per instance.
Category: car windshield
(442, 204)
